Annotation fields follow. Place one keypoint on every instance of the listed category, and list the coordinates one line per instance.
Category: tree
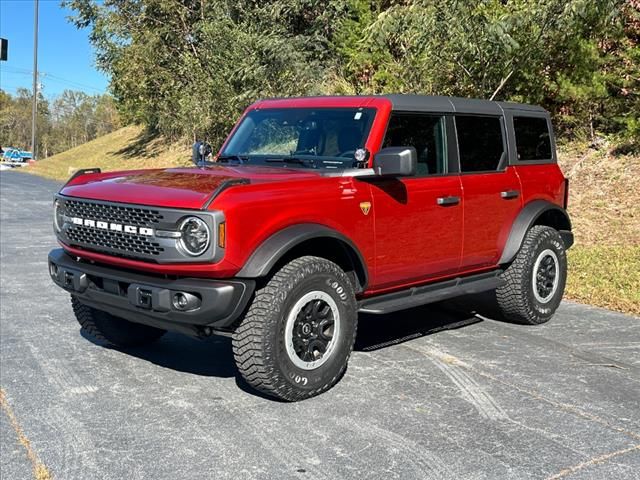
(189, 67)
(77, 118)
(16, 118)
(65, 122)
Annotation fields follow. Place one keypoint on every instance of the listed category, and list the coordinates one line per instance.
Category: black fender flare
(270, 251)
(528, 217)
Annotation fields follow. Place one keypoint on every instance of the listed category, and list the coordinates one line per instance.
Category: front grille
(111, 241)
(140, 217)
(129, 244)
(131, 231)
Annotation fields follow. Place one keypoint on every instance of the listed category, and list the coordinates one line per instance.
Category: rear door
(491, 189)
(418, 220)
(535, 158)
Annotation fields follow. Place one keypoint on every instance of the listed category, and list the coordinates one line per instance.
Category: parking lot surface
(440, 392)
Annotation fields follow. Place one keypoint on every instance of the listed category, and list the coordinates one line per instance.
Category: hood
(190, 188)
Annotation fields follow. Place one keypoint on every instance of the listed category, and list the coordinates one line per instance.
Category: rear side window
(480, 143)
(424, 132)
(533, 141)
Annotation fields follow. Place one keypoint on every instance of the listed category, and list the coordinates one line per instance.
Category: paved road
(435, 392)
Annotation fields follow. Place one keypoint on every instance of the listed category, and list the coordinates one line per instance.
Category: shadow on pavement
(213, 357)
(380, 331)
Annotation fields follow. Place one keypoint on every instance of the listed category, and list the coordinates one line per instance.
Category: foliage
(185, 66)
(64, 122)
(189, 67)
(578, 58)
(15, 119)
(77, 118)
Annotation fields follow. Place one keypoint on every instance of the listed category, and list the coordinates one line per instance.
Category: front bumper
(149, 299)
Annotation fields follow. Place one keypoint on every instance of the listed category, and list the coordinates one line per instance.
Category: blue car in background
(15, 155)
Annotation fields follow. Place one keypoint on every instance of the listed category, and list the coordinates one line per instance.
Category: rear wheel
(112, 330)
(536, 279)
(297, 336)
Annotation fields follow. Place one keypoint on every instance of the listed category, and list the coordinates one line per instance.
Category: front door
(418, 220)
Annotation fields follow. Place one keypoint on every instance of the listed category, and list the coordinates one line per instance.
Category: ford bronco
(316, 209)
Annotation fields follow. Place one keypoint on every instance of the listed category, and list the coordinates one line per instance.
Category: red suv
(317, 209)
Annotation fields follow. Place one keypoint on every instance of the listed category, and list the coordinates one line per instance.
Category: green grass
(605, 276)
(125, 149)
(604, 204)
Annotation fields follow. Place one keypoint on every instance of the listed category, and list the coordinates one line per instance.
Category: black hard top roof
(420, 103)
(428, 103)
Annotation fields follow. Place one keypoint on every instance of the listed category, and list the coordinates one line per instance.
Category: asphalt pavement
(440, 392)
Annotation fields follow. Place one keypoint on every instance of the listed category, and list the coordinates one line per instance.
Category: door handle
(447, 201)
(507, 194)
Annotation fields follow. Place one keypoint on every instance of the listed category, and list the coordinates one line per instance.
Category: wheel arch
(307, 239)
(537, 212)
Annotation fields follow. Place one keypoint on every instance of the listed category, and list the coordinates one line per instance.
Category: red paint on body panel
(405, 239)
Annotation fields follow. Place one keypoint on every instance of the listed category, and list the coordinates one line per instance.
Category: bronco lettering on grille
(114, 227)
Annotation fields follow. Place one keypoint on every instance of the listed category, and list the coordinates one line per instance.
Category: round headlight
(58, 215)
(195, 237)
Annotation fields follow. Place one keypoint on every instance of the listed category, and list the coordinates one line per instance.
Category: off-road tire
(516, 298)
(111, 330)
(259, 340)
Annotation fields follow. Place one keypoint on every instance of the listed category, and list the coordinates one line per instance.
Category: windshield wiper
(238, 158)
(307, 162)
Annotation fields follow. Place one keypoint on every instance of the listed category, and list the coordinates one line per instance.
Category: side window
(480, 143)
(424, 132)
(532, 138)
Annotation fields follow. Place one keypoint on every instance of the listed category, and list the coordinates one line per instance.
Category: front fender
(265, 257)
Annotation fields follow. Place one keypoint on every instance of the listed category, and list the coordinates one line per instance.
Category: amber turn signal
(222, 238)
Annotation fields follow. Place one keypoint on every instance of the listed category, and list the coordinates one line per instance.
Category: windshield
(300, 137)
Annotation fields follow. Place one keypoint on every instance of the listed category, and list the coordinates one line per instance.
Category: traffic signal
(4, 47)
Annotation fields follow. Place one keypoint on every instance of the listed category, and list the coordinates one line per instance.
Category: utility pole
(34, 108)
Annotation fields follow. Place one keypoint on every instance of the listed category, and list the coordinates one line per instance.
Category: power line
(28, 74)
(11, 87)
(17, 69)
(54, 78)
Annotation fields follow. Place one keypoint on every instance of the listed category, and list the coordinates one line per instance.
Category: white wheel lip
(291, 318)
(534, 280)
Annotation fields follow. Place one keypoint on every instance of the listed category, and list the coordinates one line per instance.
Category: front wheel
(536, 279)
(297, 336)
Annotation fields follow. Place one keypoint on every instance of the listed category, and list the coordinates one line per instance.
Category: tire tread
(251, 339)
(513, 297)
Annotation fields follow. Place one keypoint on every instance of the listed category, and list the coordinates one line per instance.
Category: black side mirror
(396, 162)
(199, 152)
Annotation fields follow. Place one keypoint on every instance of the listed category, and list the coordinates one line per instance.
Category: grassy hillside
(604, 206)
(125, 149)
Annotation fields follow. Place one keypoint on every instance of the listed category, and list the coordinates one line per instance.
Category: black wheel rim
(313, 330)
(546, 276)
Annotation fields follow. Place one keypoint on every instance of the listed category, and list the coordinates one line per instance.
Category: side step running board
(434, 292)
